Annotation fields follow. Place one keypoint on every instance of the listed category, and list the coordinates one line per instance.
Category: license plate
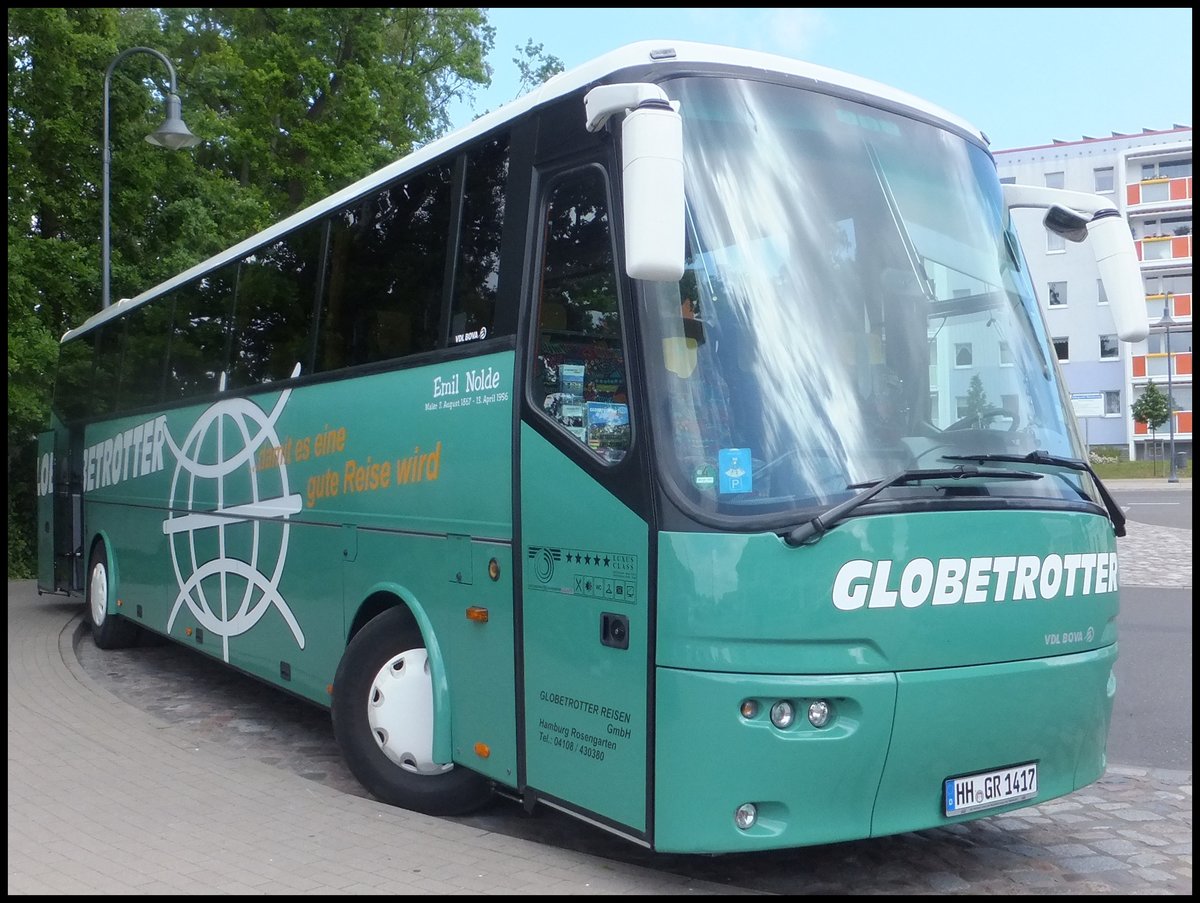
(973, 792)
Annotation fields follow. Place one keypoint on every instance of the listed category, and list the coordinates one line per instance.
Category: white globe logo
(229, 555)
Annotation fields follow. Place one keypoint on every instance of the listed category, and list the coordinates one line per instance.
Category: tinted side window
(387, 267)
(73, 380)
(581, 379)
(273, 310)
(102, 393)
(199, 337)
(477, 274)
(140, 378)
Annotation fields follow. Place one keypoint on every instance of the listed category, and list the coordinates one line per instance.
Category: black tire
(383, 720)
(109, 630)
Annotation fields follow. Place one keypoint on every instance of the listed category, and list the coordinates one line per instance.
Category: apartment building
(1149, 177)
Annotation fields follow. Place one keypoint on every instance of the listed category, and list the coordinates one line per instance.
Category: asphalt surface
(155, 770)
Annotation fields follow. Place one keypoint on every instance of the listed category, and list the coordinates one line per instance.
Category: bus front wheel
(109, 631)
(383, 722)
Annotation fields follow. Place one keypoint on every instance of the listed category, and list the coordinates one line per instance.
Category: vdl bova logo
(228, 558)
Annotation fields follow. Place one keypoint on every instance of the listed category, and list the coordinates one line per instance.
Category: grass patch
(1135, 470)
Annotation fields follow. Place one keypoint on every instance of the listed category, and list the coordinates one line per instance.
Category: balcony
(1164, 248)
(1156, 192)
(1181, 307)
(1154, 366)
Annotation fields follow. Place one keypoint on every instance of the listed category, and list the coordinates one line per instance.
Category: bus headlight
(783, 713)
(818, 713)
(745, 816)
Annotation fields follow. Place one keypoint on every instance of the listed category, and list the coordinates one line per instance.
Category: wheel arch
(387, 595)
(110, 564)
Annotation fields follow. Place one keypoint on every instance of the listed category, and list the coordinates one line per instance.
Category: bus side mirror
(1121, 274)
(651, 176)
(1067, 212)
(1066, 222)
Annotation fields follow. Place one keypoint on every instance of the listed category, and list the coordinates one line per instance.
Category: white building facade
(1149, 177)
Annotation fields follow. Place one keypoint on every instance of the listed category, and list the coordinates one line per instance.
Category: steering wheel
(981, 419)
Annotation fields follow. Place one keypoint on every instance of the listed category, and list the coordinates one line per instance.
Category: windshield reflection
(855, 304)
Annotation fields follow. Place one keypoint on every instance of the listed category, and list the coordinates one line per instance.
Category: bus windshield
(855, 305)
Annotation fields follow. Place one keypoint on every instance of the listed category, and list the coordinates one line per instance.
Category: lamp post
(1165, 325)
(172, 134)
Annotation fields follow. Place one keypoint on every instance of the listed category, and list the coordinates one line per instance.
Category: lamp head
(1167, 320)
(173, 134)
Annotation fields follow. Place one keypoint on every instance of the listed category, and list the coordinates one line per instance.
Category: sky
(1023, 76)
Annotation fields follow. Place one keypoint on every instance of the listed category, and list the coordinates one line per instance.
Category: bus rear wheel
(383, 722)
(109, 631)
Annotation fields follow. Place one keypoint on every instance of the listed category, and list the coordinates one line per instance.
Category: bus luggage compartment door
(585, 640)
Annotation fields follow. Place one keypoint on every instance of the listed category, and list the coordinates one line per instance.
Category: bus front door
(58, 517)
(585, 642)
(45, 512)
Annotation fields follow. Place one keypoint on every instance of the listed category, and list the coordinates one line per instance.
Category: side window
(73, 379)
(140, 378)
(102, 391)
(199, 334)
(272, 320)
(387, 269)
(580, 380)
(477, 275)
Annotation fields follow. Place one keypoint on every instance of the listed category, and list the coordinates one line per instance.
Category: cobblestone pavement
(1150, 555)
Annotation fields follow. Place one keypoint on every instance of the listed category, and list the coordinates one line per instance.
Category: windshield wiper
(1115, 514)
(812, 530)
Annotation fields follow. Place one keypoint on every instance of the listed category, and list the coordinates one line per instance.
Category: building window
(1062, 349)
(1055, 180)
(1164, 227)
(1058, 294)
(1006, 357)
(1008, 180)
(1167, 169)
(963, 355)
(1104, 179)
(1101, 294)
(1169, 284)
(961, 407)
(1112, 403)
(1110, 348)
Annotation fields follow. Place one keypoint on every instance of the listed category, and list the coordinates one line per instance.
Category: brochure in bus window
(570, 380)
(608, 429)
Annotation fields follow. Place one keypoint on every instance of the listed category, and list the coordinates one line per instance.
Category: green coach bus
(681, 447)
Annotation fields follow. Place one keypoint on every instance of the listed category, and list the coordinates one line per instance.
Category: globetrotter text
(948, 581)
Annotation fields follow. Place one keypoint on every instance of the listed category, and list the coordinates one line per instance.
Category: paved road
(219, 785)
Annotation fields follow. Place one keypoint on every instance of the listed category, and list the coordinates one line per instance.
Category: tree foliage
(291, 103)
(535, 66)
(977, 400)
(1151, 407)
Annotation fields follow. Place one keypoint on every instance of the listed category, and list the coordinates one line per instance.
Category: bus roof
(641, 54)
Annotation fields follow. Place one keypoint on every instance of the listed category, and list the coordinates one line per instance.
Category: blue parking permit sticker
(735, 469)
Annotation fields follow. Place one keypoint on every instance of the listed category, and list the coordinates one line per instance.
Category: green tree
(1152, 408)
(977, 400)
(535, 66)
(292, 104)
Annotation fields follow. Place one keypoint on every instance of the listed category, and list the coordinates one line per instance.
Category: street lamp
(1165, 325)
(172, 134)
